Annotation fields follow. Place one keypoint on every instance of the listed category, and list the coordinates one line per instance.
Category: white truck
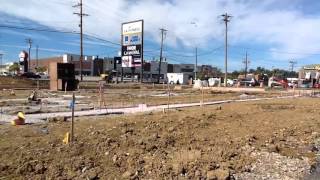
(177, 78)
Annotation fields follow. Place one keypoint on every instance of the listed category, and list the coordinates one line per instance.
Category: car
(43, 75)
(304, 85)
(30, 75)
(4, 74)
(317, 86)
(230, 82)
(248, 82)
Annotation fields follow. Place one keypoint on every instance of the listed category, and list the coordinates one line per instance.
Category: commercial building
(309, 75)
(4, 68)
(95, 66)
(91, 65)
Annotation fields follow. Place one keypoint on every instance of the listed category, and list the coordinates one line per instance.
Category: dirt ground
(118, 97)
(209, 142)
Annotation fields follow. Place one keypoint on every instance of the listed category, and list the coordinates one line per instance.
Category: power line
(37, 29)
(89, 36)
(274, 51)
(101, 39)
(181, 54)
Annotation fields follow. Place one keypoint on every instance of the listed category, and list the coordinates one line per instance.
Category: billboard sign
(132, 44)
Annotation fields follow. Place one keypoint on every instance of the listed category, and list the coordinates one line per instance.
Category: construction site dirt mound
(240, 140)
(16, 82)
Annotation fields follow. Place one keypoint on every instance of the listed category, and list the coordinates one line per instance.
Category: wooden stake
(65, 87)
(168, 97)
(202, 101)
(72, 117)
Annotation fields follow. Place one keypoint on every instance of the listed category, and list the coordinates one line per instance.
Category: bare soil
(194, 143)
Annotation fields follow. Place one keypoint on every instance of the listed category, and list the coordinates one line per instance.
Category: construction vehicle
(278, 82)
(110, 77)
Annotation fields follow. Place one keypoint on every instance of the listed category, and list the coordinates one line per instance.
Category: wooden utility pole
(37, 57)
(29, 42)
(81, 14)
(163, 31)
(196, 65)
(292, 63)
(142, 54)
(226, 19)
(1, 63)
(246, 62)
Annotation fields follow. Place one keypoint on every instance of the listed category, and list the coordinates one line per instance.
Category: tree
(41, 69)
(14, 68)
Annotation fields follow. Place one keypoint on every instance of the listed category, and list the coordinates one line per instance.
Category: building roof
(312, 67)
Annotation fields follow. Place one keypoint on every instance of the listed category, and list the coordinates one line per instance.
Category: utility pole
(29, 42)
(196, 65)
(81, 14)
(246, 62)
(37, 57)
(226, 19)
(292, 63)
(163, 31)
(1, 63)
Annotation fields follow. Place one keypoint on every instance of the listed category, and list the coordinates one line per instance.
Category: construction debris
(20, 119)
(33, 97)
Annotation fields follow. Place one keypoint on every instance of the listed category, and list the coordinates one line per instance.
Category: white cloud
(282, 27)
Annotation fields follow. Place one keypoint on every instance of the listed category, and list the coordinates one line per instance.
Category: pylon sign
(132, 43)
(23, 56)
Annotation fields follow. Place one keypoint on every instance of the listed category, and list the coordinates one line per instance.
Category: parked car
(305, 86)
(30, 75)
(317, 86)
(43, 75)
(248, 82)
(277, 82)
(4, 74)
(230, 82)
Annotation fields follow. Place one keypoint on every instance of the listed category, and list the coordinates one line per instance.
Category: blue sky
(272, 31)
